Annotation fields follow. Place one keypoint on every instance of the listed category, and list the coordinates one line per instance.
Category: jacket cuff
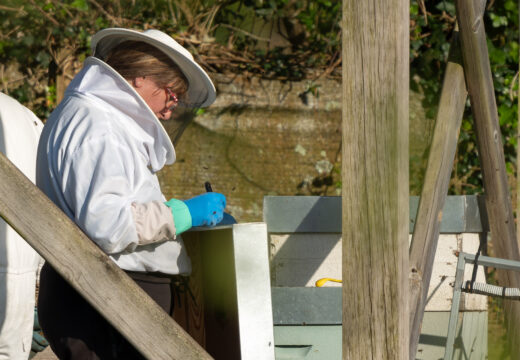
(181, 215)
(153, 222)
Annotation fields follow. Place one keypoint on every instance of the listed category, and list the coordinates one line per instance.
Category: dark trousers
(76, 331)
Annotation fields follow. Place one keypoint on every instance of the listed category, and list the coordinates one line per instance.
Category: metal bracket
(476, 288)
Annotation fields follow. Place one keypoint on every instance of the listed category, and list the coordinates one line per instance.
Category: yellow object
(321, 282)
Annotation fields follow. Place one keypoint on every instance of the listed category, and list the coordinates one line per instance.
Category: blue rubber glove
(206, 209)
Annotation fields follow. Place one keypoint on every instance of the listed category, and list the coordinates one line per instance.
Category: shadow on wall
(305, 239)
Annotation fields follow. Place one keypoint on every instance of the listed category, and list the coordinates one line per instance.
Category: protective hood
(201, 91)
(101, 83)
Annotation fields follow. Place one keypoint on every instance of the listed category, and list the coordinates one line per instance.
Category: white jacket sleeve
(96, 180)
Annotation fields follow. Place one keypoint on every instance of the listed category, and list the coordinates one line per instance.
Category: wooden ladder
(468, 71)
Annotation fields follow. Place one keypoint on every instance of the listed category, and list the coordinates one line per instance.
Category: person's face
(160, 99)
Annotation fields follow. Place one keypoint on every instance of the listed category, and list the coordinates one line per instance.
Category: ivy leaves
(432, 24)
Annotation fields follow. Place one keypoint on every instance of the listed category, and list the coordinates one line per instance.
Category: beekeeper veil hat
(201, 91)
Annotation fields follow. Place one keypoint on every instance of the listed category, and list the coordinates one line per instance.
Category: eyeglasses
(172, 97)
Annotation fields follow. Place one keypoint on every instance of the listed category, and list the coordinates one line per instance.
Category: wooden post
(435, 188)
(97, 278)
(375, 203)
(491, 153)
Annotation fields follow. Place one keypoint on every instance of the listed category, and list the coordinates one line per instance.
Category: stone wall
(267, 138)
(259, 138)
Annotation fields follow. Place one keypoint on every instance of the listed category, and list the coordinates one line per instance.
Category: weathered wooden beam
(375, 179)
(491, 153)
(90, 271)
(435, 188)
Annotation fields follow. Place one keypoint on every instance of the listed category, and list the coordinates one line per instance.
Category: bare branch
(48, 16)
(112, 18)
(253, 36)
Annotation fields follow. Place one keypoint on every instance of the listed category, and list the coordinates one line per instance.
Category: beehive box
(305, 245)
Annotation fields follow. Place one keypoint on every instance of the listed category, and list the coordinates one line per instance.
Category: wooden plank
(190, 312)
(491, 153)
(231, 281)
(460, 214)
(306, 305)
(471, 335)
(325, 344)
(311, 342)
(316, 214)
(375, 190)
(435, 188)
(220, 295)
(90, 271)
(255, 322)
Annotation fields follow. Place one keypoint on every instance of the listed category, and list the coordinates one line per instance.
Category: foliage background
(44, 36)
(432, 23)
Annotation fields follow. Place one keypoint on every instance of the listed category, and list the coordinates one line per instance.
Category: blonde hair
(133, 59)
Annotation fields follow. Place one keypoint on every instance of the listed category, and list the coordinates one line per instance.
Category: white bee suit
(19, 133)
(98, 157)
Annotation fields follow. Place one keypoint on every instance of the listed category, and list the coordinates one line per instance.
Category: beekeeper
(19, 133)
(98, 157)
